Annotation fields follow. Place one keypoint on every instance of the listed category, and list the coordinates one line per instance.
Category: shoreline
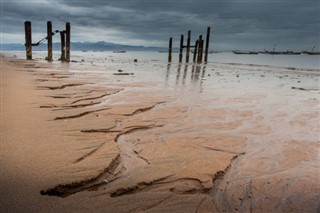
(125, 141)
(219, 58)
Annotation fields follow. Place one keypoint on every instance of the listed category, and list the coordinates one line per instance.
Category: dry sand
(73, 141)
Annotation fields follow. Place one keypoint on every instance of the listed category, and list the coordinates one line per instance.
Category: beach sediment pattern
(214, 138)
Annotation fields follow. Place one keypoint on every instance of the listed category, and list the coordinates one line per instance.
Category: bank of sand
(79, 141)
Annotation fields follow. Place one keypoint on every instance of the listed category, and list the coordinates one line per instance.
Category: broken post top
(68, 26)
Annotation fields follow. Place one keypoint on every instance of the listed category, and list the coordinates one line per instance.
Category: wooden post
(195, 51)
(68, 41)
(188, 46)
(49, 38)
(200, 41)
(207, 45)
(170, 50)
(181, 48)
(201, 52)
(63, 46)
(28, 37)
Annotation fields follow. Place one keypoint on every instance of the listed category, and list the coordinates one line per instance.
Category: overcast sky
(236, 24)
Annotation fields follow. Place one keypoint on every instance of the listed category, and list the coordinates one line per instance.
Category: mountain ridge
(83, 46)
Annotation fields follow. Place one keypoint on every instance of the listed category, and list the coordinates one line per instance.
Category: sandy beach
(152, 137)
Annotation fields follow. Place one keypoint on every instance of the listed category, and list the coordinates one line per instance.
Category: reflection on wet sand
(197, 74)
(185, 72)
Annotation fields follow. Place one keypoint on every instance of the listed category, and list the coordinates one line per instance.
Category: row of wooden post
(198, 48)
(65, 36)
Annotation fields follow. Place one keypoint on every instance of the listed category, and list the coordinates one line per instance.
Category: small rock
(135, 60)
(120, 70)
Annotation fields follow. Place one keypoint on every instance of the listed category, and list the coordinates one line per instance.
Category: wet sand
(219, 138)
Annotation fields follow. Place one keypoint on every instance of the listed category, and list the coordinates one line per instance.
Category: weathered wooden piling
(195, 51)
(188, 46)
(49, 38)
(200, 52)
(200, 49)
(63, 46)
(207, 45)
(68, 28)
(28, 37)
(201, 55)
(170, 50)
(181, 49)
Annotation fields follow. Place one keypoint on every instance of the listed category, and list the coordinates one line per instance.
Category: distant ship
(291, 53)
(311, 53)
(283, 53)
(244, 52)
(119, 51)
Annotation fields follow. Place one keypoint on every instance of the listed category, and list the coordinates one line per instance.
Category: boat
(119, 51)
(274, 52)
(311, 53)
(291, 53)
(283, 53)
(244, 52)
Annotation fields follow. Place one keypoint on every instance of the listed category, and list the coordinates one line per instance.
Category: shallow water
(295, 61)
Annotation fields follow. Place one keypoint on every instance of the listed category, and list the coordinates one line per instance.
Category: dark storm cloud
(240, 24)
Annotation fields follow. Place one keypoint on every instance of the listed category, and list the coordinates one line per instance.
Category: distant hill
(84, 46)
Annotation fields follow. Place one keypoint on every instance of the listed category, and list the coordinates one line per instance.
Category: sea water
(301, 61)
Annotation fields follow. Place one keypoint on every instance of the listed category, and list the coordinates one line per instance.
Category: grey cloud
(242, 23)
